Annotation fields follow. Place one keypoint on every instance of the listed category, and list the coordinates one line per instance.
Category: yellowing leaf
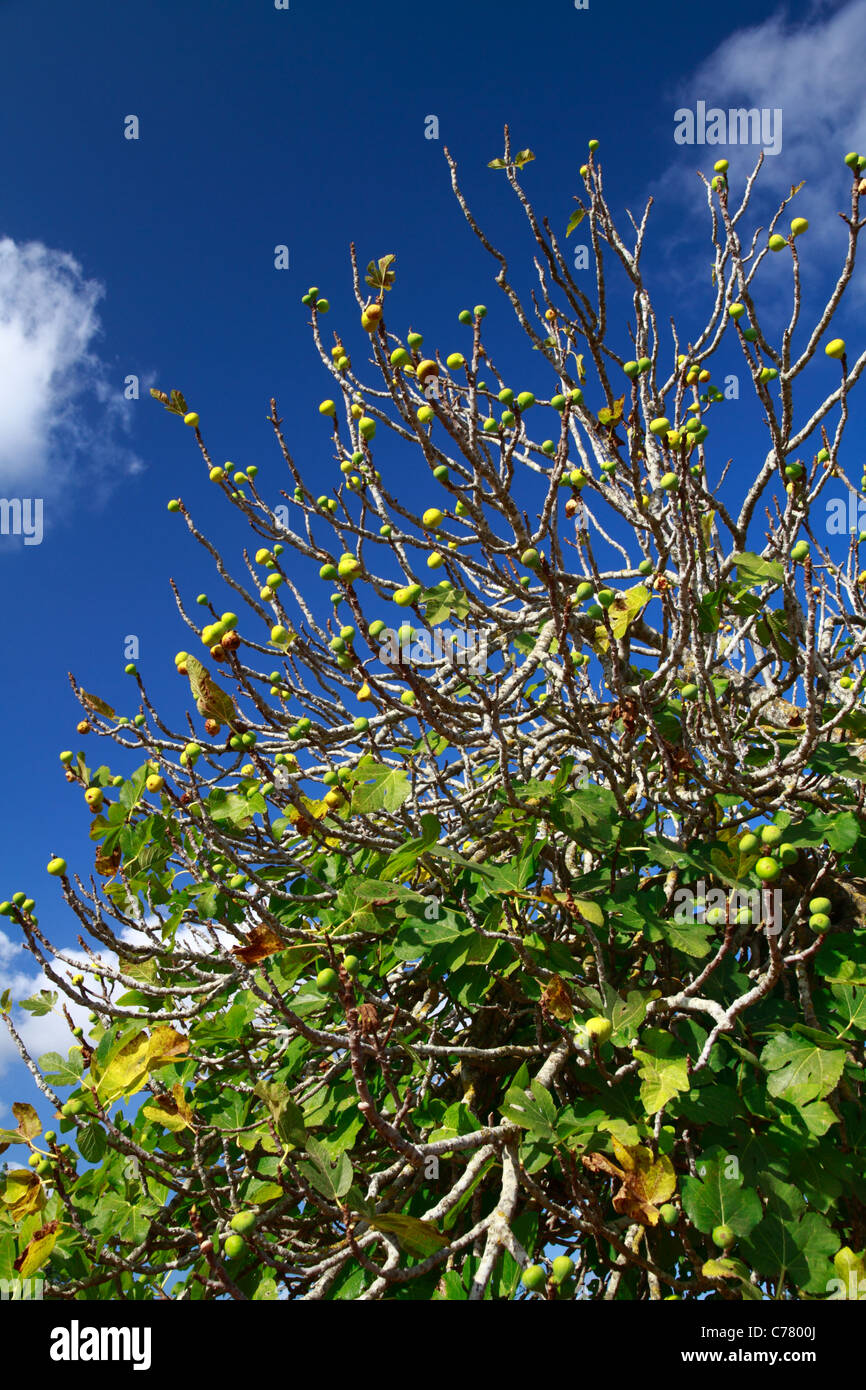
(590, 911)
(851, 1269)
(38, 1250)
(23, 1194)
(556, 1000)
(661, 1079)
(416, 1236)
(621, 614)
(29, 1124)
(128, 1069)
(172, 1111)
(646, 1182)
(95, 702)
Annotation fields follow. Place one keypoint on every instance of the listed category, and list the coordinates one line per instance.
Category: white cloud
(810, 68)
(61, 405)
(50, 1033)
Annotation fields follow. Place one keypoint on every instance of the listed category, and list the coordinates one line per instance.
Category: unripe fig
(767, 869)
(534, 1277)
(599, 1028)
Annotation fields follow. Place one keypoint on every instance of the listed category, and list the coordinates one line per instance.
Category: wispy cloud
(811, 69)
(50, 1033)
(61, 405)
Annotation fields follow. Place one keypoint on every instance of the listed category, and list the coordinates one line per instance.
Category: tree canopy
(493, 928)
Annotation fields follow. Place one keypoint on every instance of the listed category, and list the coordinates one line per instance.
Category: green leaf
(662, 1078)
(575, 220)
(92, 1142)
(794, 1252)
(288, 1117)
(835, 760)
(716, 1197)
(228, 808)
(61, 1071)
(850, 1005)
(627, 1014)
(39, 1004)
(443, 601)
(522, 157)
(533, 1110)
(752, 569)
(332, 1177)
(590, 911)
(379, 276)
(800, 1071)
(377, 787)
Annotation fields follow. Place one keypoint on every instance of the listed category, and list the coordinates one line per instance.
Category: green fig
(599, 1028)
(767, 869)
(562, 1269)
(534, 1277)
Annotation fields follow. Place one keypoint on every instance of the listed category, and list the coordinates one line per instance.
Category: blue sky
(155, 257)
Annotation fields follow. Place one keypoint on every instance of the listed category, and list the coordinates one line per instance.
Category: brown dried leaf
(556, 999)
(261, 942)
